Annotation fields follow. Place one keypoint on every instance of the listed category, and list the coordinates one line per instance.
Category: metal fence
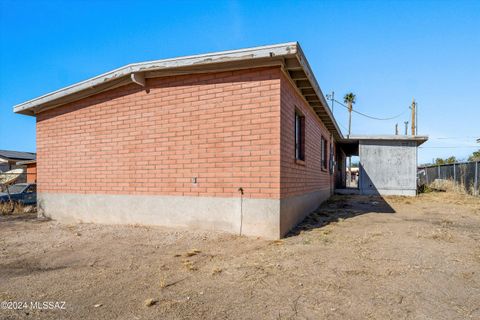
(463, 175)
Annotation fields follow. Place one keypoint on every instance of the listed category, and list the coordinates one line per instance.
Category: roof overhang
(418, 139)
(350, 145)
(288, 56)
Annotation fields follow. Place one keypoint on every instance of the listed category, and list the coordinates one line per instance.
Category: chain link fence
(464, 176)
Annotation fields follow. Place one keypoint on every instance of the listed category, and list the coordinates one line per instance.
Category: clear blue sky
(385, 52)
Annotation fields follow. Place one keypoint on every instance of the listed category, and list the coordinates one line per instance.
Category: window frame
(299, 136)
(323, 153)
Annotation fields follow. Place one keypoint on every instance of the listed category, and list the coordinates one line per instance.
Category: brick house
(240, 141)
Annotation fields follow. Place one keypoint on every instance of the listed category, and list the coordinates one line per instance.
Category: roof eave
(289, 55)
(123, 73)
(316, 87)
(355, 139)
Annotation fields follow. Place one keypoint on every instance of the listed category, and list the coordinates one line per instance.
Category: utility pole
(333, 99)
(413, 117)
(396, 129)
(406, 127)
(416, 118)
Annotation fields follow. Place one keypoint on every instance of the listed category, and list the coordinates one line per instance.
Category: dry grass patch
(11, 208)
(189, 265)
(163, 282)
(216, 271)
(441, 234)
(193, 252)
(465, 200)
(277, 242)
(420, 260)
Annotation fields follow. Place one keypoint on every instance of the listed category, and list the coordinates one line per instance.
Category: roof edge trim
(283, 49)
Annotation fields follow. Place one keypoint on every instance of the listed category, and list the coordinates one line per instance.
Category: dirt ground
(355, 258)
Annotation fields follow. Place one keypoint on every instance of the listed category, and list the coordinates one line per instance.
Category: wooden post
(454, 176)
(476, 178)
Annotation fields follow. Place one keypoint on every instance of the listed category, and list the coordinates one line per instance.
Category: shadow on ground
(20, 217)
(341, 207)
(27, 267)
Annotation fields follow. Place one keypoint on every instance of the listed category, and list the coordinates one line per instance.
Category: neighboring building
(31, 170)
(241, 141)
(9, 159)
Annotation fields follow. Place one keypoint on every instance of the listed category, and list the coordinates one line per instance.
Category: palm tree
(349, 99)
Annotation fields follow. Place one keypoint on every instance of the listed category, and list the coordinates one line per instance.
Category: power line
(447, 138)
(341, 125)
(454, 147)
(368, 116)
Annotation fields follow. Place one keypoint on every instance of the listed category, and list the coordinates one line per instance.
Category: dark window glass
(299, 136)
(324, 152)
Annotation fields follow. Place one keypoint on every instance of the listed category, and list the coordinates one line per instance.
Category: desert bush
(11, 207)
(424, 188)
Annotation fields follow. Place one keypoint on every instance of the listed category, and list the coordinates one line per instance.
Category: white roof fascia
(284, 49)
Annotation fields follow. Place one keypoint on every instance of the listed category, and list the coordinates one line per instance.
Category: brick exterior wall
(223, 128)
(31, 172)
(299, 178)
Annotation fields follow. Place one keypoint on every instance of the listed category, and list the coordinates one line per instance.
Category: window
(323, 152)
(32, 189)
(299, 136)
(16, 188)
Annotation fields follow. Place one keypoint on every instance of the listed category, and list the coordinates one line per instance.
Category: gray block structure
(387, 165)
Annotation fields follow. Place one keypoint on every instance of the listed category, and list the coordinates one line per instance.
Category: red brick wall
(31, 172)
(223, 128)
(300, 178)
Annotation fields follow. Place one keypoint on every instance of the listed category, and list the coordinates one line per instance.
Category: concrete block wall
(388, 167)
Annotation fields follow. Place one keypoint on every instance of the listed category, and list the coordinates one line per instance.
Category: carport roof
(350, 145)
(356, 139)
(289, 56)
